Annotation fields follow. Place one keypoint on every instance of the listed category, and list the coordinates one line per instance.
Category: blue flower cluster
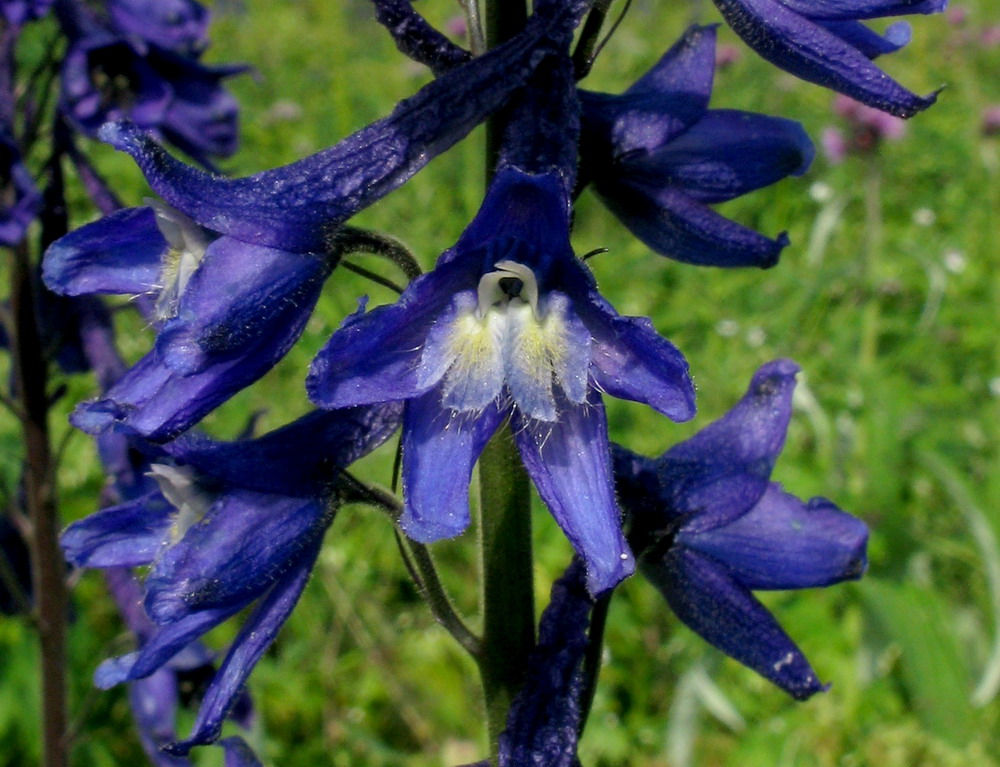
(508, 328)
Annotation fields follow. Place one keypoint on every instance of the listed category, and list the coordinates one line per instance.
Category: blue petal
(659, 106)
(440, 447)
(256, 635)
(726, 154)
(162, 646)
(301, 459)
(673, 224)
(128, 535)
(375, 357)
(153, 701)
(297, 207)
(416, 38)
(869, 42)
(728, 616)
(807, 50)
(180, 25)
(783, 543)
(844, 10)
(723, 470)
(543, 124)
(570, 463)
(245, 542)
(238, 753)
(121, 253)
(630, 360)
(237, 297)
(544, 720)
(154, 401)
(524, 217)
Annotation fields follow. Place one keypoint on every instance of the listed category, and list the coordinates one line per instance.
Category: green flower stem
(507, 595)
(418, 561)
(421, 566)
(507, 600)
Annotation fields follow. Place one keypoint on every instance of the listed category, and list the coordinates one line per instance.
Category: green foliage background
(888, 299)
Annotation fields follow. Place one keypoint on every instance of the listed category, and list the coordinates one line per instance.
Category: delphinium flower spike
(236, 265)
(657, 156)
(510, 325)
(709, 527)
(823, 42)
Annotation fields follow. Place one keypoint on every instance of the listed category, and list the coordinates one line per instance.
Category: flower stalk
(49, 588)
(506, 568)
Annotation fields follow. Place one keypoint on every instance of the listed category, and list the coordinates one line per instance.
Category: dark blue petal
(110, 60)
(202, 118)
(807, 50)
(237, 297)
(179, 25)
(570, 463)
(128, 535)
(418, 39)
(375, 357)
(543, 127)
(238, 753)
(298, 207)
(522, 211)
(544, 720)
(843, 10)
(723, 470)
(630, 360)
(728, 616)
(869, 42)
(158, 403)
(246, 541)
(153, 701)
(301, 459)
(726, 154)
(659, 106)
(254, 638)
(673, 224)
(440, 447)
(783, 543)
(121, 253)
(162, 646)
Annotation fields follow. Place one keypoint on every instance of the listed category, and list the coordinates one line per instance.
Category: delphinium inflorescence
(501, 355)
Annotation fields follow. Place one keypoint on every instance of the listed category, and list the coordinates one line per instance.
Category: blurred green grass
(888, 299)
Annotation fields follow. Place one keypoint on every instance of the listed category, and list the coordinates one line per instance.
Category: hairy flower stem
(47, 569)
(507, 595)
(507, 598)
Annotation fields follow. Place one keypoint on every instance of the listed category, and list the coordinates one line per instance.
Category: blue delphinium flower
(709, 527)
(510, 325)
(230, 524)
(110, 74)
(155, 699)
(823, 42)
(237, 267)
(657, 156)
